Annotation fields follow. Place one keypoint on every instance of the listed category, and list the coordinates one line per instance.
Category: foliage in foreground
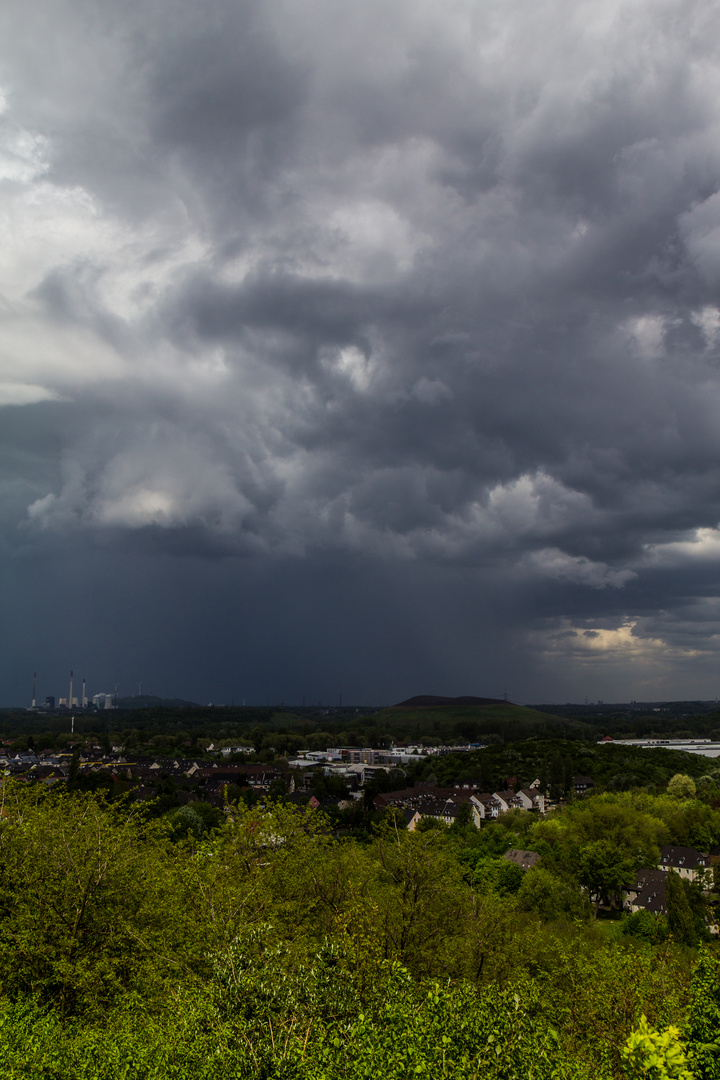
(269, 949)
(258, 1021)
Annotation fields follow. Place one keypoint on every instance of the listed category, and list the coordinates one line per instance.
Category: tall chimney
(84, 696)
(33, 697)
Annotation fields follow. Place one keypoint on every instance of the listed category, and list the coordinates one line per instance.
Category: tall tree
(680, 916)
(605, 870)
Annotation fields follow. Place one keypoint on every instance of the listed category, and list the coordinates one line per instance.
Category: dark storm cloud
(382, 285)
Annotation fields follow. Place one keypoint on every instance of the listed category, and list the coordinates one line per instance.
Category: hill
(430, 701)
(492, 721)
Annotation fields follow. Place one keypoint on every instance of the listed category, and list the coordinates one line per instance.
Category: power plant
(51, 702)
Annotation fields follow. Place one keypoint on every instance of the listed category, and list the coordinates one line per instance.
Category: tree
(185, 821)
(499, 876)
(643, 925)
(605, 870)
(550, 896)
(421, 898)
(680, 917)
(328, 787)
(278, 788)
(557, 778)
(693, 824)
(619, 820)
(88, 900)
(463, 818)
(73, 771)
(681, 786)
(567, 778)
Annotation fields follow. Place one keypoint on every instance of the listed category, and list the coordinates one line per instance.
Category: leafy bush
(645, 926)
(655, 1055)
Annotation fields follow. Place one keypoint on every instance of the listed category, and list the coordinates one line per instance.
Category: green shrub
(655, 1055)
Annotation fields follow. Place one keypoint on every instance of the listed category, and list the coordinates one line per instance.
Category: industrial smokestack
(33, 697)
(84, 696)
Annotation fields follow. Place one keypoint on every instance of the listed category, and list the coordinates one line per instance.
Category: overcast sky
(360, 348)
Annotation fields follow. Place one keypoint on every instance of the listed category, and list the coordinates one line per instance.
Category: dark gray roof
(650, 885)
(685, 858)
(524, 859)
(439, 809)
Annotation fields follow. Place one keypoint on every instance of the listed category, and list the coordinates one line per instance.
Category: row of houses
(444, 803)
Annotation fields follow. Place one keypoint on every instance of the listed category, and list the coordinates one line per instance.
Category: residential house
(582, 784)
(648, 892)
(524, 859)
(689, 863)
(484, 807)
(505, 800)
(530, 799)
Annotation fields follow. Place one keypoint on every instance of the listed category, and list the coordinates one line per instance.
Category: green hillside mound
(432, 701)
(499, 721)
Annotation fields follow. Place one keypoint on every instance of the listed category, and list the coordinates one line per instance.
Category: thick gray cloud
(359, 315)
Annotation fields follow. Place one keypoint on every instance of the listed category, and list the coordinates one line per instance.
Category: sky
(361, 350)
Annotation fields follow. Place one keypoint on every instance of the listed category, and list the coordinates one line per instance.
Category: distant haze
(360, 349)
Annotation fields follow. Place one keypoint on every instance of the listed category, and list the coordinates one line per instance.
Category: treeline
(267, 732)
(279, 731)
(264, 946)
(672, 719)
